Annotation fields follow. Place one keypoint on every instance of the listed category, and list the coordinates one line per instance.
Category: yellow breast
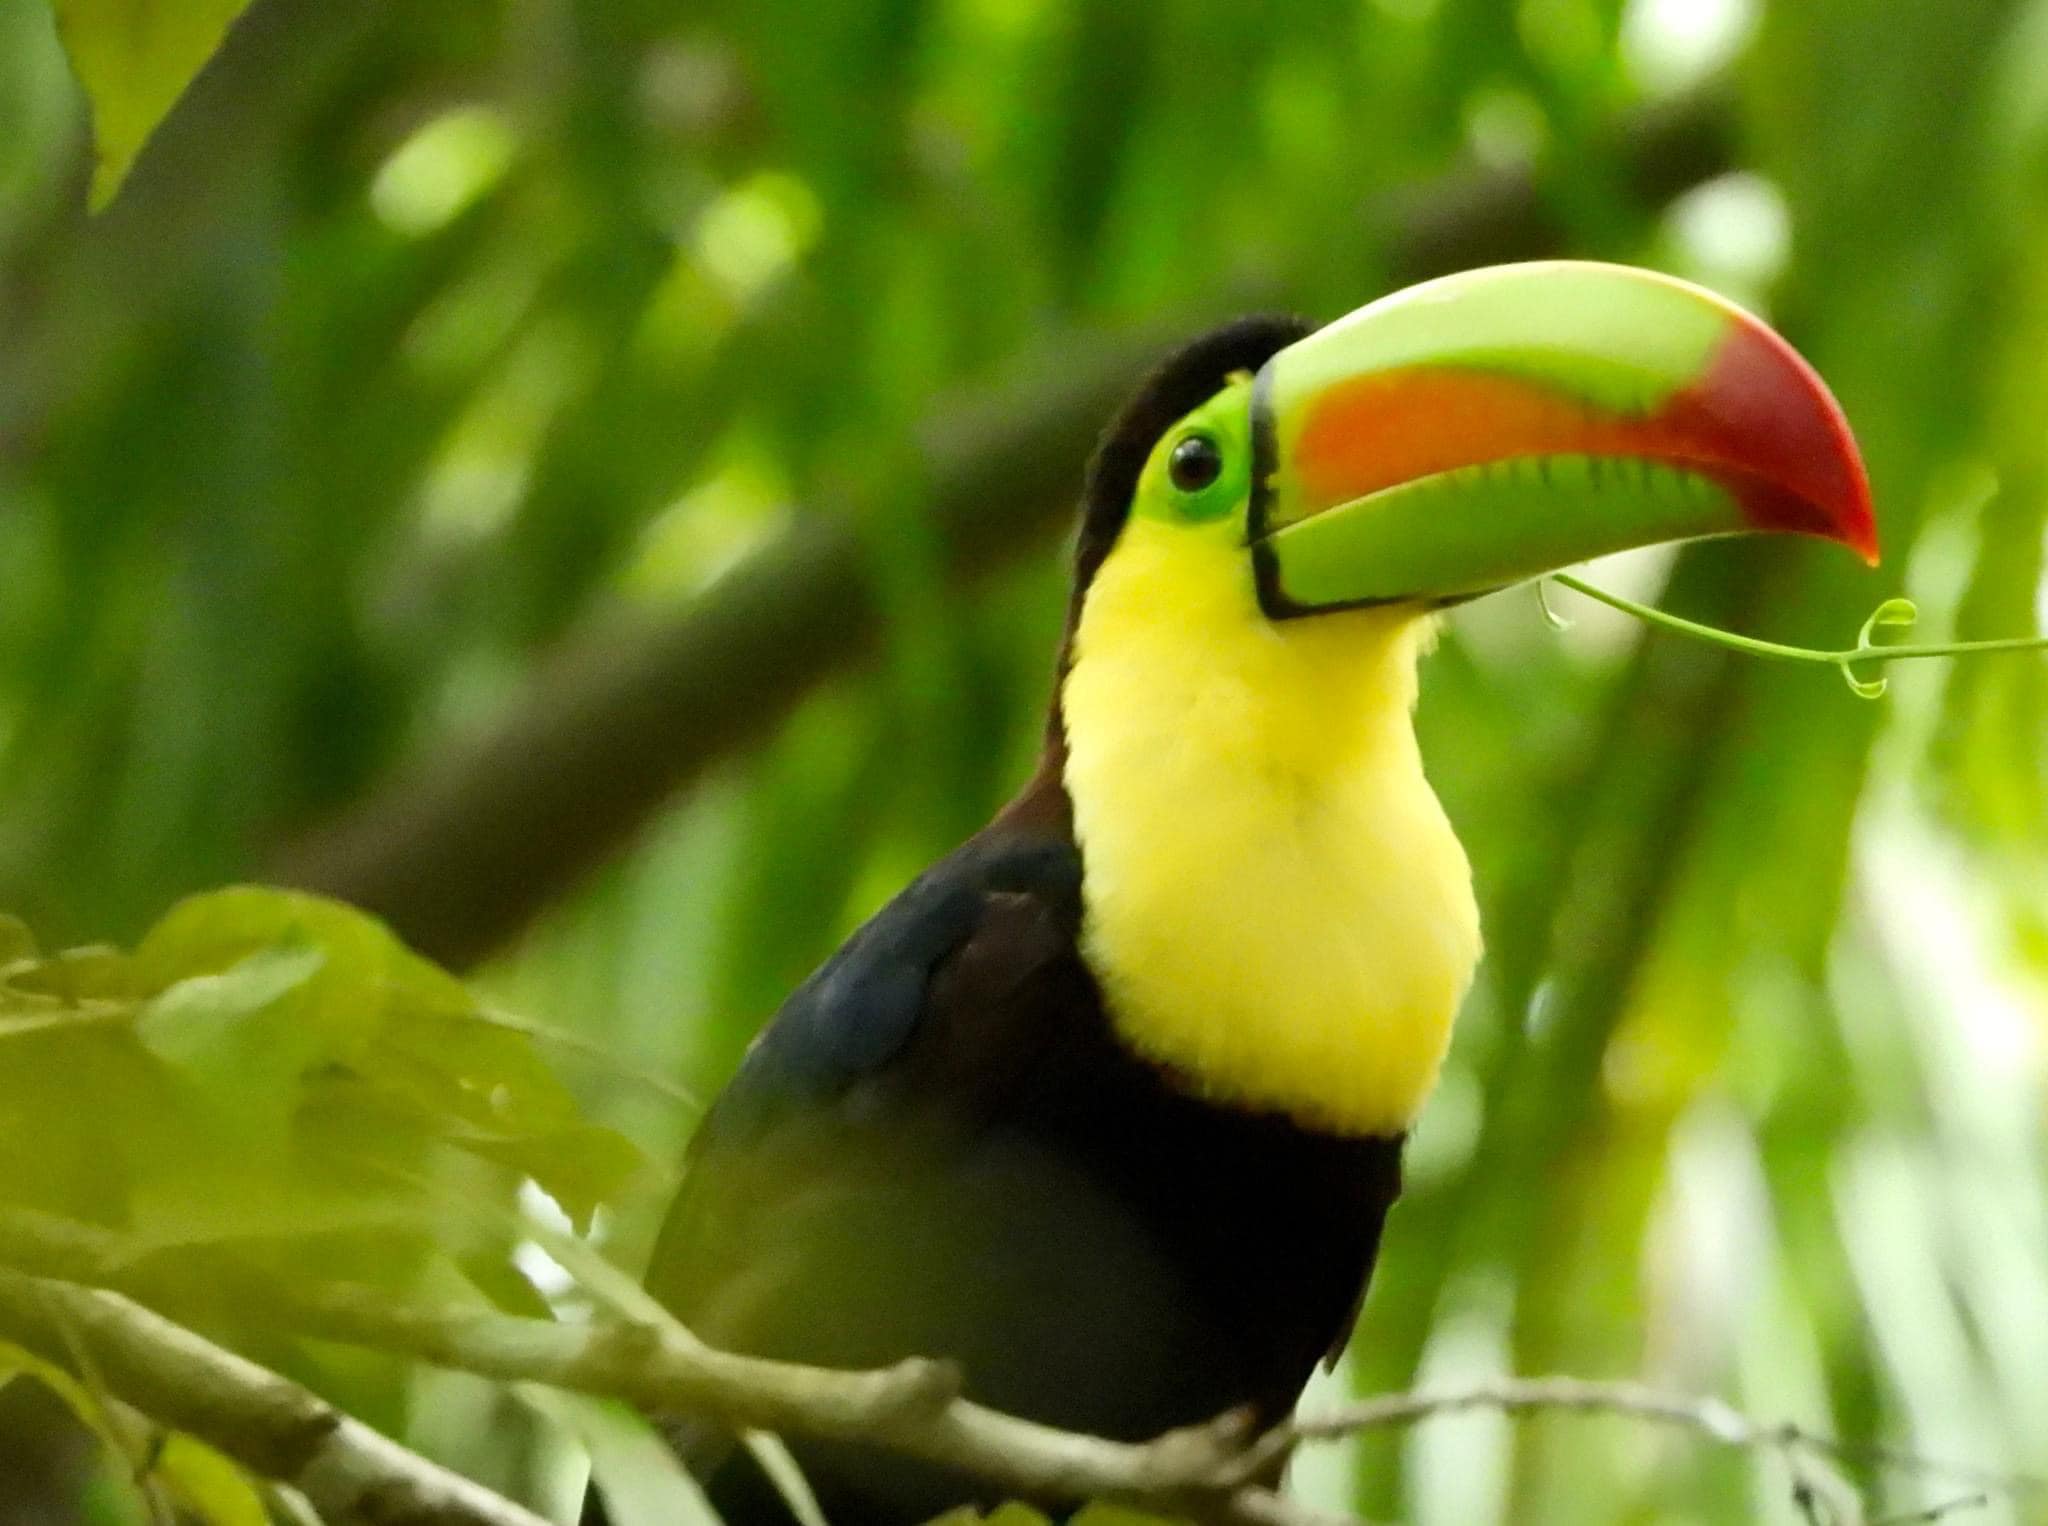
(1276, 905)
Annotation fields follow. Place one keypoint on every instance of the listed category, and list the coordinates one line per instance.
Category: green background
(586, 481)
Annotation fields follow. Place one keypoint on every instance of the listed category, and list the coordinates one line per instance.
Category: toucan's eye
(1194, 464)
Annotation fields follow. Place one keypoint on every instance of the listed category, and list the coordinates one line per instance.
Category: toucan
(1107, 1106)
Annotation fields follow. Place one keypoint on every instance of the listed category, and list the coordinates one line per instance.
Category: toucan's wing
(890, 1054)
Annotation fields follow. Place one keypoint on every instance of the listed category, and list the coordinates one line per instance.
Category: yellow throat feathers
(1276, 906)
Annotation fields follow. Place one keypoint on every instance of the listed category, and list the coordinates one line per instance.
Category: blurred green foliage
(280, 1065)
(430, 357)
(270, 1086)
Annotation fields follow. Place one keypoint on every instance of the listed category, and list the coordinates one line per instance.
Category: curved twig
(272, 1426)
(1212, 1471)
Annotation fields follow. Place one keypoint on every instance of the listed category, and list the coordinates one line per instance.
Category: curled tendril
(1892, 614)
(1551, 617)
(1898, 613)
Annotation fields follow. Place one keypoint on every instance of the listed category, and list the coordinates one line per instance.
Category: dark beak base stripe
(1265, 463)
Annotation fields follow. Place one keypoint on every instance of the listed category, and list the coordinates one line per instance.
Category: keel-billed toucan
(1108, 1105)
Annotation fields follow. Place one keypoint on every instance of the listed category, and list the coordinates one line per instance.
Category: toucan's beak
(1489, 427)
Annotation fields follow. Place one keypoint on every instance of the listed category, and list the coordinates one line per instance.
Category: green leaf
(295, 1087)
(369, 972)
(644, 1482)
(1008, 1513)
(135, 58)
(240, 1039)
(205, 1483)
(580, 1167)
(787, 1475)
(340, 1176)
(1109, 1513)
(15, 1362)
(63, 1074)
(460, 1068)
(484, 1088)
(91, 974)
(17, 943)
(210, 1488)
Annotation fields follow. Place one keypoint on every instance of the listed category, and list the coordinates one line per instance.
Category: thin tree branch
(913, 1407)
(1704, 1416)
(1941, 1510)
(1707, 1417)
(459, 854)
(272, 1426)
(134, 1444)
(1214, 1471)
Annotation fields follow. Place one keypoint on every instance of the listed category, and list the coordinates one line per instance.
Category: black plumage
(940, 1147)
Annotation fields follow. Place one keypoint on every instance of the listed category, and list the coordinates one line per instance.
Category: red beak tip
(1859, 532)
(1791, 438)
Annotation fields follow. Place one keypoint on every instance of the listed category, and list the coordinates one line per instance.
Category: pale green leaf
(289, 1077)
(135, 58)
(580, 1167)
(240, 1039)
(787, 1475)
(644, 1482)
(489, 1077)
(17, 943)
(211, 1488)
(369, 972)
(94, 973)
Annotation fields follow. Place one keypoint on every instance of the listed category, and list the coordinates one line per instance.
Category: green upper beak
(1490, 427)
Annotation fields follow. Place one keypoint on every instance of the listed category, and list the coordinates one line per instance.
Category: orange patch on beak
(1759, 423)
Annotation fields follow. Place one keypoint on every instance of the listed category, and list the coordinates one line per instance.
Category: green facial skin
(1225, 420)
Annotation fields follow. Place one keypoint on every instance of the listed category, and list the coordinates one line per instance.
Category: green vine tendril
(1551, 617)
(1892, 614)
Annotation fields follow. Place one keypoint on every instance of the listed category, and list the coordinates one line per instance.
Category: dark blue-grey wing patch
(862, 1006)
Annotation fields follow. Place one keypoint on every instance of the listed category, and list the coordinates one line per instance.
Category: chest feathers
(1275, 903)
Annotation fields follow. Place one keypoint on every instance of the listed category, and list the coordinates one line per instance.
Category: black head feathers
(1182, 383)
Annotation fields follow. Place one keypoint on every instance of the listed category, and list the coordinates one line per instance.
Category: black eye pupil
(1195, 463)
